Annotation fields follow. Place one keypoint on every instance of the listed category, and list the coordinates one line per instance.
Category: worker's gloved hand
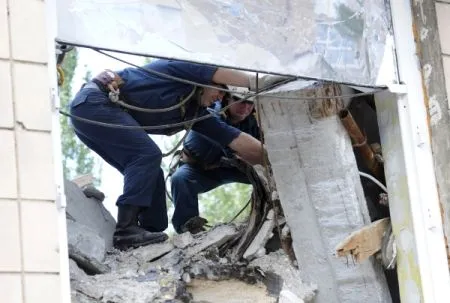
(109, 80)
(265, 81)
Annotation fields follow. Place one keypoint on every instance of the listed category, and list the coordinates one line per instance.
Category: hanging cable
(165, 126)
(182, 124)
(185, 81)
(374, 180)
(156, 110)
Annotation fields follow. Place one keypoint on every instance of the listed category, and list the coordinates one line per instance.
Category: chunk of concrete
(183, 240)
(86, 247)
(89, 212)
(256, 248)
(216, 236)
(151, 252)
(279, 265)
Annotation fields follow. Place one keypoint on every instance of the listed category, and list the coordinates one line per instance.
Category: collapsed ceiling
(346, 41)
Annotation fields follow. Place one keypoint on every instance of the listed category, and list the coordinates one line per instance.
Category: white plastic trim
(428, 239)
(56, 139)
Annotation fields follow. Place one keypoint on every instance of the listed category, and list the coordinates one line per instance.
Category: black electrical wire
(185, 81)
(180, 124)
(96, 48)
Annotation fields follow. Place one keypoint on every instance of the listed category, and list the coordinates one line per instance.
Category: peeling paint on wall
(434, 111)
(397, 184)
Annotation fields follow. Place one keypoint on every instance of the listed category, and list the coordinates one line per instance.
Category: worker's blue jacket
(207, 151)
(191, 179)
(132, 151)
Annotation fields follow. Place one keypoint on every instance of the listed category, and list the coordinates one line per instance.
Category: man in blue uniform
(201, 172)
(131, 151)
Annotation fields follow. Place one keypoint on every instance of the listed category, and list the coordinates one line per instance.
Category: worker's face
(239, 111)
(210, 95)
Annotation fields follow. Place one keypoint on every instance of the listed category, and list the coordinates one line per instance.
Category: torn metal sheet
(339, 40)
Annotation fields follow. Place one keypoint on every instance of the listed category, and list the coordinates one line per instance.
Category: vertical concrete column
(320, 191)
(29, 251)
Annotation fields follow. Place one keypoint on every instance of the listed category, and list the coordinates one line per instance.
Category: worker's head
(210, 95)
(239, 110)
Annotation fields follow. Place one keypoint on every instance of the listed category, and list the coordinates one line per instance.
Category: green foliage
(77, 158)
(224, 202)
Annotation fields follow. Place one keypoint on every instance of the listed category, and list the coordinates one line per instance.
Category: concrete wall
(29, 253)
(432, 36)
(443, 20)
(441, 130)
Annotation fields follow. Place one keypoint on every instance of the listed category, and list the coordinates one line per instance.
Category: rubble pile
(211, 266)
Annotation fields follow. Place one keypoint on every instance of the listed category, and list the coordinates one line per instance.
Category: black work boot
(194, 225)
(128, 234)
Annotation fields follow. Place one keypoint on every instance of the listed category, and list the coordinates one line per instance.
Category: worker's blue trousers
(132, 152)
(188, 181)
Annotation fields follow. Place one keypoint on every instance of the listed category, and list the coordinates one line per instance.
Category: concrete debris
(287, 296)
(89, 212)
(256, 248)
(183, 240)
(188, 268)
(217, 236)
(86, 247)
(277, 264)
(228, 291)
(92, 192)
(76, 273)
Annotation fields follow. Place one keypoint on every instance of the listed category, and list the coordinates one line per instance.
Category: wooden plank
(365, 242)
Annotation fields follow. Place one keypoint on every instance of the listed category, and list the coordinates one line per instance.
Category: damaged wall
(432, 19)
(29, 258)
(320, 191)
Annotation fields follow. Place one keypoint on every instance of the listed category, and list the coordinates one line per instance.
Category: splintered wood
(365, 242)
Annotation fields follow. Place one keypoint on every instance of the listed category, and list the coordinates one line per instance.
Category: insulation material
(339, 40)
(321, 195)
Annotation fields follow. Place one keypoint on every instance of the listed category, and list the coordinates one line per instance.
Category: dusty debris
(205, 267)
(277, 267)
(228, 291)
(182, 240)
(86, 247)
(89, 212)
(217, 236)
(364, 242)
(256, 248)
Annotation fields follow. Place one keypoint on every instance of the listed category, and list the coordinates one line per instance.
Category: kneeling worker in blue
(155, 99)
(201, 171)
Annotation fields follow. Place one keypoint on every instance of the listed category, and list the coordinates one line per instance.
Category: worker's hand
(110, 80)
(266, 81)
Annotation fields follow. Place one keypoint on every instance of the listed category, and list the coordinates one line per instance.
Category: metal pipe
(360, 141)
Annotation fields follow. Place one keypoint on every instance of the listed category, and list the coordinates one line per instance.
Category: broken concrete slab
(118, 289)
(182, 240)
(89, 212)
(86, 247)
(217, 236)
(76, 273)
(256, 248)
(134, 261)
(228, 291)
(278, 263)
(287, 296)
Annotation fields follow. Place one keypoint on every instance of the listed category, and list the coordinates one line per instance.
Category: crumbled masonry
(187, 268)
